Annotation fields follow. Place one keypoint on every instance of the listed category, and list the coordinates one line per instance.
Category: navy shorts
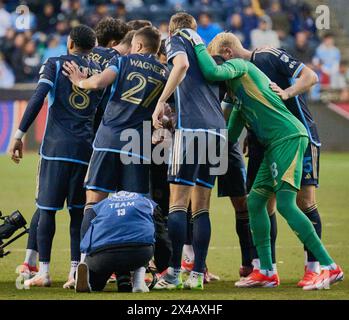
(191, 160)
(233, 183)
(310, 175)
(58, 181)
(311, 166)
(107, 173)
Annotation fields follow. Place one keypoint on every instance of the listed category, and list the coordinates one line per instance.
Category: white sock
(256, 264)
(82, 257)
(174, 271)
(188, 252)
(313, 266)
(268, 273)
(73, 267)
(138, 277)
(275, 268)
(332, 266)
(195, 274)
(44, 267)
(31, 257)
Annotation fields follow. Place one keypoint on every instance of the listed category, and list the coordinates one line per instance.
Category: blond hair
(224, 40)
(182, 20)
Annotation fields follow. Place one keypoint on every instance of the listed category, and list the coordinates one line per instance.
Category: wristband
(80, 84)
(19, 134)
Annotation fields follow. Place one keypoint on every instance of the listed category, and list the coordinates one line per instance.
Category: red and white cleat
(336, 275)
(112, 278)
(307, 279)
(26, 271)
(187, 265)
(257, 279)
(321, 281)
(40, 280)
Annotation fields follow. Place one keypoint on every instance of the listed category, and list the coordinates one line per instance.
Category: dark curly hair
(83, 37)
(109, 29)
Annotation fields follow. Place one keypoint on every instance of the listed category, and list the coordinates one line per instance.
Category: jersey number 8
(79, 98)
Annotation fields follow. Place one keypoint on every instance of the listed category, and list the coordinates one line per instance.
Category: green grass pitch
(18, 189)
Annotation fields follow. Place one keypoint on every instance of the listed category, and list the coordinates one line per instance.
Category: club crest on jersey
(285, 58)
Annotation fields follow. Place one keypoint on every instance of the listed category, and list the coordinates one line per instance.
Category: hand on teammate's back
(73, 72)
(283, 94)
(192, 36)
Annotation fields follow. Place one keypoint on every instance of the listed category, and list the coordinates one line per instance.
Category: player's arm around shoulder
(80, 77)
(229, 70)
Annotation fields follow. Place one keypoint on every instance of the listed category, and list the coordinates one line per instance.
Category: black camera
(12, 223)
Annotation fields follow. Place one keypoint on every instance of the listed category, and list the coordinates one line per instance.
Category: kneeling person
(118, 236)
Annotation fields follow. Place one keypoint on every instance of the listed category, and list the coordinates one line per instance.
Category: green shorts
(281, 163)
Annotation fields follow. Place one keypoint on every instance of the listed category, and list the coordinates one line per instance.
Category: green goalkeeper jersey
(255, 104)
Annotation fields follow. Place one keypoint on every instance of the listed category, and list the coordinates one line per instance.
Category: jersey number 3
(129, 95)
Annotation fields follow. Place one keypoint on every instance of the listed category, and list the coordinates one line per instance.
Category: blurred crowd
(287, 24)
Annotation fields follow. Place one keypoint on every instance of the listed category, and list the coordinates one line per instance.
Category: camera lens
(16, 219)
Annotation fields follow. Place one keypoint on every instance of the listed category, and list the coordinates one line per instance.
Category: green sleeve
(235, 125)
(230, 69)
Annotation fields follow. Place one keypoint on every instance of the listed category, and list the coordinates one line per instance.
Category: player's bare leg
(177, 229)
(94, 196)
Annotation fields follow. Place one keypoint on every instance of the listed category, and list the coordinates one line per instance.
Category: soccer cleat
(258, 279)
(124, 283)
(336, 275)
(308, 279)
(195, 281)
(187, 265)
(70, 284)
(26, 271)
(141, 289)
(39, 280)
(112, 278)
(245, 271)
(319, 282)
(169, 282)
(82, 278)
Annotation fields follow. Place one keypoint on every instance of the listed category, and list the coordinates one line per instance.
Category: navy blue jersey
(121, 219)
(283, 69)
(197, 101)
(71, 111)
(134, 95)
(102, 56)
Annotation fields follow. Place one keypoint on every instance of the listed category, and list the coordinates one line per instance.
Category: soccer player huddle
(128, 211)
